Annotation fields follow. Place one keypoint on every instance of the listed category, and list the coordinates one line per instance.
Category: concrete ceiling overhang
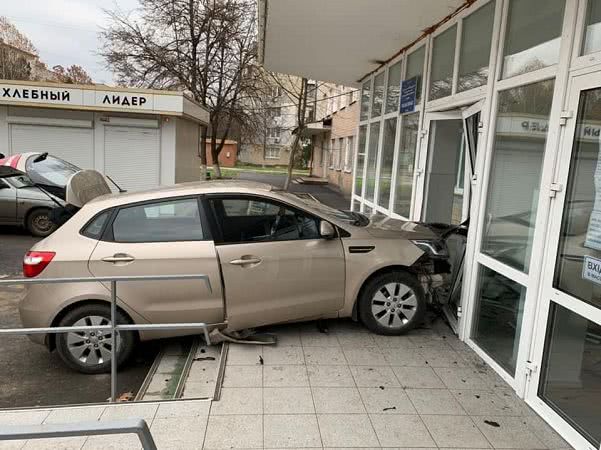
(341, 40)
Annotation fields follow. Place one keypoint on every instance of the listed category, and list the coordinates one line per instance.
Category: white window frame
(269, 150)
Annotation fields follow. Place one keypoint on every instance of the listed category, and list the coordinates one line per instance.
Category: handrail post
(114, 344)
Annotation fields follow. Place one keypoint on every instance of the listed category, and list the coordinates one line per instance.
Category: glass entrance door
(565, 381)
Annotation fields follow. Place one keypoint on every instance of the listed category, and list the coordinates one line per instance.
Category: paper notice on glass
(593, 233)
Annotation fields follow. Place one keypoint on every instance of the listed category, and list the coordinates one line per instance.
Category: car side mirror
(326, 230)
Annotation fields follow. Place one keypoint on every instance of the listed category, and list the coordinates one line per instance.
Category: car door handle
(119, 258)
(245, 261)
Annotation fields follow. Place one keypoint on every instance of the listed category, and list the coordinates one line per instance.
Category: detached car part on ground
(271, 257)
(35, 188)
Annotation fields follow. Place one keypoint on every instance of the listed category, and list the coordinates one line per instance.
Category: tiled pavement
(343, 389)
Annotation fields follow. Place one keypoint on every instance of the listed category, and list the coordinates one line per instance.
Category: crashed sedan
(271, 257)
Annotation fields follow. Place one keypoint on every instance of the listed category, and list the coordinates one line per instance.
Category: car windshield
(350, 217)
(50, 171)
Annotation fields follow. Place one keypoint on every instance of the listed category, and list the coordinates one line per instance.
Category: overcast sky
(65, 31)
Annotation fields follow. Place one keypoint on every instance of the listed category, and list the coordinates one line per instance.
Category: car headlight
(432, 247)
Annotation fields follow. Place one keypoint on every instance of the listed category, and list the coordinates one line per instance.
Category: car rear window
(94, 228)
(166, 221)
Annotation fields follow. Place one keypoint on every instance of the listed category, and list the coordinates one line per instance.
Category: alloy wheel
(91, 347)
(394, 305)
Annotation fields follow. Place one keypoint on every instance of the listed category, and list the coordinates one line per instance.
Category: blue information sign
(408, 95)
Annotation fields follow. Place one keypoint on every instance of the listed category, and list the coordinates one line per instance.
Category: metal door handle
(119, 257)
(242, 262)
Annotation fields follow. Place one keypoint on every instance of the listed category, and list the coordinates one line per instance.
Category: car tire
(39, 224)
(392, 303)
(89, 352)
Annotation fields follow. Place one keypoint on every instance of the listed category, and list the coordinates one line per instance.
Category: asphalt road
(32, 376)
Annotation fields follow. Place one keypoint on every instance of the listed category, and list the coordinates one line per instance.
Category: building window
(350, 97)
(365, 96)
(415, 69)
(592, 38)
(276, 91)
(273, 132)
(378, 97)
(443, 58)
(272, 152)
(393, 91)
(339, 154)
(475, 48)
(372, 160)
(520, 139)
(275, 111)
(385, 178)
(406, 164)
(533, 35)
(348, 153)
(360, 160)
(332, 151)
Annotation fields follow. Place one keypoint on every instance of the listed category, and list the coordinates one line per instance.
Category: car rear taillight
(35, 262)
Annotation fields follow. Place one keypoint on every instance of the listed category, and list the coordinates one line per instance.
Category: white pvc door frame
(548, 293)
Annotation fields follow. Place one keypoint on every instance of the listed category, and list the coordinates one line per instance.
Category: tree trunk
(293, 151)
(203, 153)
(215, 157)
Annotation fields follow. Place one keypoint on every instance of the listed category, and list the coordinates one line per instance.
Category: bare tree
(73, 74)
(203, 47)
(16, 51)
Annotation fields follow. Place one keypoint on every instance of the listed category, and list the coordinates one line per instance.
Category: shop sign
(591, 269)
(408, 95)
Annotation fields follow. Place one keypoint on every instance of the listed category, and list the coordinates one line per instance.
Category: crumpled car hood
(386, 227)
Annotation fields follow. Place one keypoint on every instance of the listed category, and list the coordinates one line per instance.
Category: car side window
(262, 220)
(94, 228)
(165, 221)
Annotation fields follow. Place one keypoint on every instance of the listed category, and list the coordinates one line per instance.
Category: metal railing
(126, 426)
(113, 327)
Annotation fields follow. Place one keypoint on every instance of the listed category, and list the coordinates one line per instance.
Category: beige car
(271, 257)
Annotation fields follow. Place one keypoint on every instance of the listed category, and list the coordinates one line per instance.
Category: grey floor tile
(347, 430)
(113, 442)
(482, 403)
(408, 357)
(13, 445)
(294, 400)
(455, 431)
(239, 401)
(545, 433)
(364, 356)
(330, 376)
(286, 336)
(141, 410)
(418, 377)
(332, 356)
(234, 432)
(23, 417)
(393, 341)
(333, 400)
(291, 431)
(442, 358)
(182, 408)
(285, 376)
(283, 355)
(67, 415)
(435, 401)
(354, 340)
(401, 431)
(508, 432)
(243, 376)
(181, 431)
(376, 376)
(460, 378)
(243, 354)
(386, 401)
(317, 339)
(70, 443)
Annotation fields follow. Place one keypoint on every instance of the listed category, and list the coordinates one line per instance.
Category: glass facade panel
(520, 138)
(360, 160)
(406, 164)
(581, 224)
(415, 69)
(378, 97)
(570, 380)
(475, 48)
(372, 159)
(592, 37)
(533, 35)
(498, 318)
(356, 206)
(385, 178)
(443, 58)
(365, 96)
(393, 92)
